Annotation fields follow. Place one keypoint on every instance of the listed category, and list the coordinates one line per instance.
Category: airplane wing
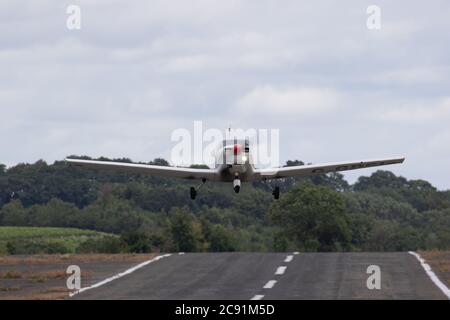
(171, 172)
(308, 170)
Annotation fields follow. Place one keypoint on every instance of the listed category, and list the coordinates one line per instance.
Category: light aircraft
(234, 163)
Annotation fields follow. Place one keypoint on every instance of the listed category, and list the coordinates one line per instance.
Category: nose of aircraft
(236, 148)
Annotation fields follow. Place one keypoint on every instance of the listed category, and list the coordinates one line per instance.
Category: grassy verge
(39, 240)
(440, 263)
(42, 277)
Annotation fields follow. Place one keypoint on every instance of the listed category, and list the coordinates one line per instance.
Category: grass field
(44, 276)
(439, 262)
(29, 240)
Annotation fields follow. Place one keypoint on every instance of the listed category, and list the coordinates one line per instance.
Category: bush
(313, 217)
(137, 241)
(10, 248)
(56, 247)
(280, 242)
(221, 239)
(107, 244)
(36, 247)
(311, 245)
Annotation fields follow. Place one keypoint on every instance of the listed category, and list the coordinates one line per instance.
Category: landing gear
(237, 185)
(276, 193)
(193, 191)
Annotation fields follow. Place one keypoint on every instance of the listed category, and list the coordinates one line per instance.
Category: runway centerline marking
(258, 297)
(270, 284)
(289, 258)
(120, 275)
(431, 274)
(280, 270)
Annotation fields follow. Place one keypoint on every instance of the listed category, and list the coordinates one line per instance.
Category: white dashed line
(432, 275)
(180, 253)
(270, 284)
(280, 270)
(120, 275)
(296, 252)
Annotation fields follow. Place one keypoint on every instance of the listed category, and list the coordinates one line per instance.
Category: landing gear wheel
(237, 185)
(276, 193)
(193, 193)
(194, 190)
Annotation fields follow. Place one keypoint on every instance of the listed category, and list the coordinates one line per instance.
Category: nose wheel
(237, 184)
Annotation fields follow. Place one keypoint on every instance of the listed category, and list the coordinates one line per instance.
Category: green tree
(280, 241)
(312, 215)
(159, 162)
(333, 180)
(221, 239)
(380, 179)
(13, 214)
(137, 241)
(182, 230)
(381, 236)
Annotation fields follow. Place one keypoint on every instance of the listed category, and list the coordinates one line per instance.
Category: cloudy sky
(137, 70)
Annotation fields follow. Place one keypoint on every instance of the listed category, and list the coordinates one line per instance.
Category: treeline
(383, 212)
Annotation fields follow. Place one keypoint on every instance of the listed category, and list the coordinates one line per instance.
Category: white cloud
(438, 145)
(287, 102)
(138, 70)
(412, 75)
(427, 112)
(198, 62)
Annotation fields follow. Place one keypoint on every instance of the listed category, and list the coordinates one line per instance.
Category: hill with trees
(381, 212)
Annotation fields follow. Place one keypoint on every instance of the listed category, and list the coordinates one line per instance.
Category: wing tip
(69, 160)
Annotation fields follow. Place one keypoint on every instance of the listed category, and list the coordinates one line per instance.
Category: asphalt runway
(269, 276)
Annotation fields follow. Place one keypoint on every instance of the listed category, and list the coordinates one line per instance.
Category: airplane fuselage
(234, 161)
